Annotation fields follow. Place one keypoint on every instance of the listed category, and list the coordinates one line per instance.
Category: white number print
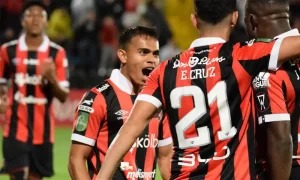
(218, 93)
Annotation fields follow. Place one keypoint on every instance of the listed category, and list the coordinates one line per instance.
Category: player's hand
(3, 104)
(47, 69)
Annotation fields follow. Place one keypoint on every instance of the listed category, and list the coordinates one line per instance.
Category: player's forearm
(3, 98)
(164, 165)
(59, 92)
(279, 157)
(121, 145)
(77, 169)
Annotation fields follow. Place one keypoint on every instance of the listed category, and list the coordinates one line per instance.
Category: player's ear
(234, 18)
(251, 25)
(194, 20)
(122, 56)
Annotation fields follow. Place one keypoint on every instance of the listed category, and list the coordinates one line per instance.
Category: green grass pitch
(61, 152)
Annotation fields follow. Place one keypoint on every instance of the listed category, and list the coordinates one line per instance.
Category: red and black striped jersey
(30, 118)
(206, 93)
(99, 117)
(277, 99)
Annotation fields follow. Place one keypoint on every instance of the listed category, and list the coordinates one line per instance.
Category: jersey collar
(121, 81)
(206, 41)
(43, 47)
(293, 32)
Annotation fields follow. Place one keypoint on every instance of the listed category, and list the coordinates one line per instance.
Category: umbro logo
(122, 114)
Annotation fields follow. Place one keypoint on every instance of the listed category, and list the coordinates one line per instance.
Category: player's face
(35, 20)
(142, 57)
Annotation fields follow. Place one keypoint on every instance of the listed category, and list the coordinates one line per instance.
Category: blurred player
(276, 95)
(37, 69)
(207, 95)
(105, 108)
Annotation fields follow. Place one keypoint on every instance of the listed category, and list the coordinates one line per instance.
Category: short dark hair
(214, 11)
(130, 33)
(30, 3)
(269, 1)
(249, 8)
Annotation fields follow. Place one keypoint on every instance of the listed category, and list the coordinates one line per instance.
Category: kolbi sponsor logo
(193, 61)
(102, 88)
(125, 166)
(22, 79)
(145, 142)
(261, 81)
(32, 62)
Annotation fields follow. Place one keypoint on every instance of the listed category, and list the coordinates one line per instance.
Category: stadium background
(89, 29)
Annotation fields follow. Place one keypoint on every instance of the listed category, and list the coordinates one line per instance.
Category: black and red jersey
(206, 93)
(277, 97)
(30, 117)
(99, 117)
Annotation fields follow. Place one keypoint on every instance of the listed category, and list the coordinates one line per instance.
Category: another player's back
(207, 95)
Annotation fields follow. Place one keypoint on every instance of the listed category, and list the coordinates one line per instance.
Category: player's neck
(214, 31)
(277, 29)
(33, 42)
(135, 87)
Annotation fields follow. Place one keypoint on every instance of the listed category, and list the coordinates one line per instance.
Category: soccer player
(105, 108)
(276, 95)
(38, 72)
(207, 95)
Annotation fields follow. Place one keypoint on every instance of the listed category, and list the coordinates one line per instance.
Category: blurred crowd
(89, 29)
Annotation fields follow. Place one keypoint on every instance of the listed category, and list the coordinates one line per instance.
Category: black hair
(214, 11)
(269, 1)
(130, 33)
(30, 3)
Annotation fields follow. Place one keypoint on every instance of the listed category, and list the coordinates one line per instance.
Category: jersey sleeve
(164, 133)
(258, 55)
(151, 91)
(61, 63)
(89, 116)
(4, 66)
(269, 98)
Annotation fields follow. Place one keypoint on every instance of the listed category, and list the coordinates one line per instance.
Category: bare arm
(3, 98)
(290, 48)
(164, 161)
(58, 91)
(279, 150)
(140, 116)
(77, 161)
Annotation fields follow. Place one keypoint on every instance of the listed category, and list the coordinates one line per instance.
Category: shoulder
(10, 44)
(56, 46)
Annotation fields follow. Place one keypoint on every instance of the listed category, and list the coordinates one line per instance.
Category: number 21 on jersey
(218, 93)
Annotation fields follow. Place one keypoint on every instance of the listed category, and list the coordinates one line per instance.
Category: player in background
(37, 69)
(276, 95)
(105, 108)
(207, 94)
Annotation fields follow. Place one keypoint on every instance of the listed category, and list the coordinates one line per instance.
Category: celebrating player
(207, 95)
(38, 70)
(276, 95)
(105, 108)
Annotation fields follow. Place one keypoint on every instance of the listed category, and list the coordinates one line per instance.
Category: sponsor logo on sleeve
(82, 121)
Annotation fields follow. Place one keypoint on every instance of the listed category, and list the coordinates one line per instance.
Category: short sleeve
(151, 91)
(258, 55)
(269, 98)
(61, 63)
(164, 133)
(89, 116)
(4, 65)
